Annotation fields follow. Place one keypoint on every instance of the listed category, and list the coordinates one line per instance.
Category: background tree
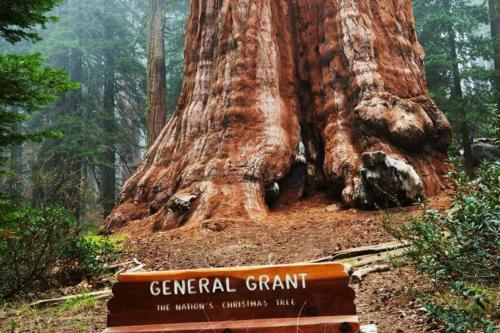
(494, 6)
(458, 48)
(109, 121)
(26, 85)
(157, 95)
(176, 17)
(103, 122)
(75, 168)
(36, 239)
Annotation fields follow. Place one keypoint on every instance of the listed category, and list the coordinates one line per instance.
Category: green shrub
(91, 252)
(34, 241)
(464, 307)
(459, 251)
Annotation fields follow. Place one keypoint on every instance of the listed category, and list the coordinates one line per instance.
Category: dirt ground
(308, 230)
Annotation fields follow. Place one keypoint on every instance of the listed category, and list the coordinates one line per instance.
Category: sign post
(288, 298)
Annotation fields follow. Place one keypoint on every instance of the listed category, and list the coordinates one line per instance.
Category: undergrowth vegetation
(459, 251)
(46, 243)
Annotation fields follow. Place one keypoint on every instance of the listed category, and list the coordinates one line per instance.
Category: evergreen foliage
(18, 18)
(459, 251)
(26, 85)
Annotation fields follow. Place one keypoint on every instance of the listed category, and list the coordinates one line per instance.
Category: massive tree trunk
(157, 93)
(280, 95)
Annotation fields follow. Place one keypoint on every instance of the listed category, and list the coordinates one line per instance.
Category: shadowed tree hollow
(282, 98)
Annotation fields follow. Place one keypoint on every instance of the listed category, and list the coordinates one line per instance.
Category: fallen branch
(139, 267)
(359, 274)
(372, 258)
(371, 249)
(97, 295)
(118, 265)
(362, 251)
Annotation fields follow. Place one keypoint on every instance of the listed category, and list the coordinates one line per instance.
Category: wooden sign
(312, 297)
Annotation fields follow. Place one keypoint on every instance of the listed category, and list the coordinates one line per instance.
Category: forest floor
(311, 229)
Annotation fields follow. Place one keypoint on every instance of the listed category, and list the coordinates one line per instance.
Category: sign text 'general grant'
(223, 285)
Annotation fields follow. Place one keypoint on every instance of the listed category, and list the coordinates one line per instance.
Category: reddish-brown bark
(157, 85)
(281, 97)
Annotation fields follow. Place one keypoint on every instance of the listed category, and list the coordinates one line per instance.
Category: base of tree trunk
(286, 98)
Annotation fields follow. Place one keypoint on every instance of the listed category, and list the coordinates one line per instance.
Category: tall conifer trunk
(74, 161)
(157, 94)
(457, 96)
(495, 33)
(14, 182)
(109, 123)
(61, 159)
(334, 90)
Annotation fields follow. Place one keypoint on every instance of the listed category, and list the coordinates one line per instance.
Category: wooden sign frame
(284, 298)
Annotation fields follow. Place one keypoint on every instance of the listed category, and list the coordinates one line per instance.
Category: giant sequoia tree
(280, 95)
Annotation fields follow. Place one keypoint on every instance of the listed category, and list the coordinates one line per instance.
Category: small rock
(333, 208)
(181, 203)
(368, 329)
(215, 226)
(485, 149)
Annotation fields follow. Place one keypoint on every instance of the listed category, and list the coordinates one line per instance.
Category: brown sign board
(312, 297)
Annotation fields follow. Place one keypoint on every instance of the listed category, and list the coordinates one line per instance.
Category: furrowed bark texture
(157, 85)
(285, 96)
